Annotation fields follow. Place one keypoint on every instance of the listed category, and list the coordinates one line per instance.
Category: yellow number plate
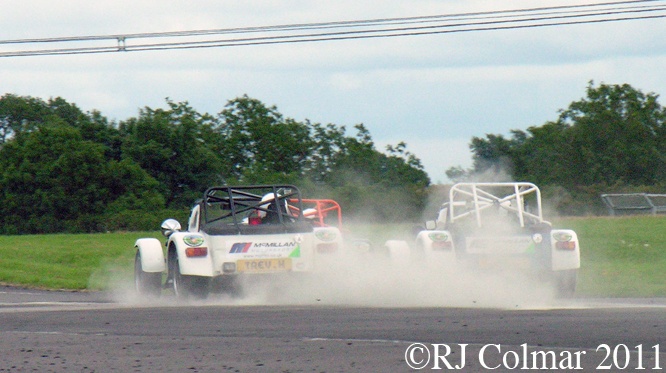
(263, 265)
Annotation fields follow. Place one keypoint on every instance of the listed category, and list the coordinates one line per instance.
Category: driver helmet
(268, 197)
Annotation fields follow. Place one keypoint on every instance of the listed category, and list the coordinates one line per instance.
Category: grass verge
(67, 261)
(621, 257)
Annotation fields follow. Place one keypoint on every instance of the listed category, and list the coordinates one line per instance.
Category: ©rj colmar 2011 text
(440, 356)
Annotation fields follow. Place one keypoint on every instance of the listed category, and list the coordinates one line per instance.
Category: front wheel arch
(146, 283)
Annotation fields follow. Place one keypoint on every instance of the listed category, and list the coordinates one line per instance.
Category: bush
(132, 221)
(586, 200)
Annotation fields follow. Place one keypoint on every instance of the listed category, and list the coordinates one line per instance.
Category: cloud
(434, 92)
(437, 154)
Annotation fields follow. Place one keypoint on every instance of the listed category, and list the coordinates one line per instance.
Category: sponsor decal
(193, 240)
(240, 247)
(296, 253)
(438, 237)
(275, 244)
(275, 248)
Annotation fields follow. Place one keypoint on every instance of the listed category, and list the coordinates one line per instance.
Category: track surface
(88, 332)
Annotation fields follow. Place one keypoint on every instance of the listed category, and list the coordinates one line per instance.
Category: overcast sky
(435, 92)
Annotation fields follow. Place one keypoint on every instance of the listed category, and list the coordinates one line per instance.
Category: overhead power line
(341, 30)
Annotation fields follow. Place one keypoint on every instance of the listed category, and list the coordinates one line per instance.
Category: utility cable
(374, 28)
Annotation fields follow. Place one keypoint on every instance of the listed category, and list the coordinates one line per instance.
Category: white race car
(233, 232)
(496, 226)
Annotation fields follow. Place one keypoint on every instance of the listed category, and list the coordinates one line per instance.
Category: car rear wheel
(189, 286)
(565, 283)
(146, 283)
(229, 284)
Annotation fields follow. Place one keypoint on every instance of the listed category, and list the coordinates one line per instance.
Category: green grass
(67, 261)
(623, 256)
(620, 256)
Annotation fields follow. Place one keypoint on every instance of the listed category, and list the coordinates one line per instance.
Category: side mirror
(170, 226)
(431, 225)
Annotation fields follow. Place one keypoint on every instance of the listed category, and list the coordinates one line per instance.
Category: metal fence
(634, 203)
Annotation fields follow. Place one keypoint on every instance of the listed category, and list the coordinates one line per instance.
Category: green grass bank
(68, 261)
(621, 257)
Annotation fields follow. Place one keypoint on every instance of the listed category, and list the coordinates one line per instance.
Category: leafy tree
(261, 144)
(19, 114)
(372, 184)
(613, 138)
(615, 134)
(54, 180)
(492, 153)
(177, 147)
(545, 155)
(457, 174)
(356, 154)
(328, 142)
(403, 167)
(265, 147)
(66, 170)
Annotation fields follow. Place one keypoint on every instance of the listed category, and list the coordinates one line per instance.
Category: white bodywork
(234, 241)
(294, 252)
(152, 256)
(484, 222)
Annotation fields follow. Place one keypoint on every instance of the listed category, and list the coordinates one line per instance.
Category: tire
(229, 284)
(399, 252)
(565, 283)
(146, 283)
(189, 286)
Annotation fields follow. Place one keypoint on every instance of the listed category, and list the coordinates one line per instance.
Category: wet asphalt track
(46, 331)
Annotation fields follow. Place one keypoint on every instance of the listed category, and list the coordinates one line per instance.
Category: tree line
(613, 140)
(66, 170)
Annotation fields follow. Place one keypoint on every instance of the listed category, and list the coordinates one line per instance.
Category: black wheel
(146, 283)
(189, 286)
(565, 283)
(228, 284)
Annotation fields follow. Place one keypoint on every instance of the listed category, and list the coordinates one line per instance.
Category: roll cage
(226, 209)
(321, 212)
(520, 200)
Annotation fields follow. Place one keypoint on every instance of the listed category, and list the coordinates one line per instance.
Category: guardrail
(635, 202)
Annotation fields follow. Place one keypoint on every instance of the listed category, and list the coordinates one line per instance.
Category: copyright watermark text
(441, 356)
